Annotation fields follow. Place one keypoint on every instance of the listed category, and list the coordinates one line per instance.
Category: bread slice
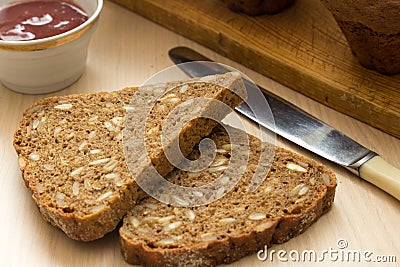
(70, 150)
(295, 193)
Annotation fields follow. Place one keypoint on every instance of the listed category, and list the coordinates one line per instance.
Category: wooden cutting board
(302, 48)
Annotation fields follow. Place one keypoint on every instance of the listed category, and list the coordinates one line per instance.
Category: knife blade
(300, 127)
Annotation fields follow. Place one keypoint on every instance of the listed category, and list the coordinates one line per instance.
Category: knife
(300, 127)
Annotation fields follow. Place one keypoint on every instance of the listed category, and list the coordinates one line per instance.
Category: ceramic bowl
(48, 64)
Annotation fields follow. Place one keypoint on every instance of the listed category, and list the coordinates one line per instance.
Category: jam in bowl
(43, 43)
(37, 19)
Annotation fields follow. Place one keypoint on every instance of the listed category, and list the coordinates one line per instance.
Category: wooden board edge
(352, 106)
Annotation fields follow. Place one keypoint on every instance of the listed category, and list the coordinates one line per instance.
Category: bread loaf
(258, 7)
(70, 150)
(295, 193)
(372, 29)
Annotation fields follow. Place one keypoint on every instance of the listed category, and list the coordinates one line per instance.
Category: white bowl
(48, 64)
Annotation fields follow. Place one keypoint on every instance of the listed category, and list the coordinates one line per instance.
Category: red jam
(37, 19)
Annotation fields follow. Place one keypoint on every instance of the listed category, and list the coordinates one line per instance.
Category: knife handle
(380, 173)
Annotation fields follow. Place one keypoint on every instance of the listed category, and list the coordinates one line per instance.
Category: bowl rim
(54, 40)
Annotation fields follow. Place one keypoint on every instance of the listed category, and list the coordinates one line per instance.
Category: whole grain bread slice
(70, 150)
(295, 193)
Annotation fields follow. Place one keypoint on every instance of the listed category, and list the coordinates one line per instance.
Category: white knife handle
(380, 173)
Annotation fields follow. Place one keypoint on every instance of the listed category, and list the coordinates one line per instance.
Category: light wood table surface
(125, 50)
